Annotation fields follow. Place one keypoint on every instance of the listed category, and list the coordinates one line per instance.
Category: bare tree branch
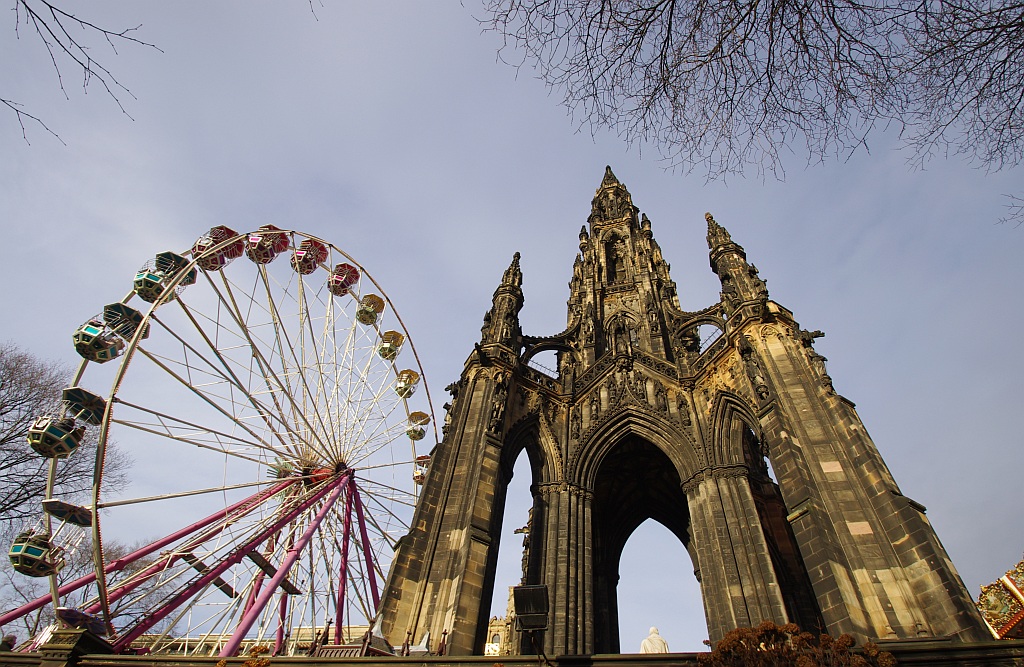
(30, 387)
(726, 85)
(69, 40)
(1014, 211)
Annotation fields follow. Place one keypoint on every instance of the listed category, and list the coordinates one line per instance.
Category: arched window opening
(635, 482)
(546, 362)
(622, 335)
(708, 334)
(615, 259)
(514, 544)
(657, 587)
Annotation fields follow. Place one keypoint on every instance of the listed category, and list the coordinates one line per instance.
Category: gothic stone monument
(645, 421)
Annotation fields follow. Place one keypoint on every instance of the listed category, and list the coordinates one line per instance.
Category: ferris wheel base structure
(80, 648)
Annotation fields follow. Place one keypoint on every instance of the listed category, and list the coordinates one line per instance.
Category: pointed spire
(717, 234)
(501, 323)
(612, 202)
(609, 177)
(513, 275)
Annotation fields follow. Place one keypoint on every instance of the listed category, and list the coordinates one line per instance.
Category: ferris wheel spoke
(385, 536)
(228, 375)
(399, 494)
(191, 427)
(357, 435)
(322, 397)
(384, 533)
(344, 371)
(389, 464)
(174, 624)
(209, 401)
(244, 335)
(185, 494)
(268, 374)
(306, 322)
(283, 342)
(376, 442)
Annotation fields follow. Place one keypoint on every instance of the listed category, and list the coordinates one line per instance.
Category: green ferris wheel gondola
(84, 405)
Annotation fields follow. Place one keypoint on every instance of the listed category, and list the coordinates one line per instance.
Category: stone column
(740, 585)
(566, 568)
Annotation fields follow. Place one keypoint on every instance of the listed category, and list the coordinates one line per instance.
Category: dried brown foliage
(254, 658)
(771, 645)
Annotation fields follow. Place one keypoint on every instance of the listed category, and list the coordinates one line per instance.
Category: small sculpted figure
(654, 643)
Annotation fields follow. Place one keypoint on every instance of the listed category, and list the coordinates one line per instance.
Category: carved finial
(645, 222)
(609, 177)
(513, 276)
(583, 233)
(717, 234)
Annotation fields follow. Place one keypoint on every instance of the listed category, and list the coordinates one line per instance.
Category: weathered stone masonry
(647, 420)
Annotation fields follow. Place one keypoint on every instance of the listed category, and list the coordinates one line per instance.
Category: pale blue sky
(390, 130)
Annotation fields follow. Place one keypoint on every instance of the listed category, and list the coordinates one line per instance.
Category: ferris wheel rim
(133, 347)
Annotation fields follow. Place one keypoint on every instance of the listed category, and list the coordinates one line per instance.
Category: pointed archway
(654, 591)
(634, 482)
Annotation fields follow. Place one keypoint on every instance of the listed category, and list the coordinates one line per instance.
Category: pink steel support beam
(234, 558)
(282, 613)
(346, 532)
(256, 586)
(120, 563)
(239, 509)
(282, 571)
(368, 560)
(282, 608)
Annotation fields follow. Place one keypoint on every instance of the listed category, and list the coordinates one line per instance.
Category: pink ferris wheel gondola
(217, 248)
(265, 417)
(265, 244)
(309, 255)
(343, 277)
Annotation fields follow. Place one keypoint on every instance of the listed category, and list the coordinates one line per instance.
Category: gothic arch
(547, 345)
(633, 420)
(616, 251)
(634, 469)
(709, 318)
(729, 413)
(622, 323)
(545, 460)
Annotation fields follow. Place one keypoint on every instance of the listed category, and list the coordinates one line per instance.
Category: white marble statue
(654, 643)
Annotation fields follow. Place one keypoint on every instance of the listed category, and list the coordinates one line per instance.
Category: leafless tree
(17, 589)
(30, 387)
(724, 85)
(966, 78)
(69, 40)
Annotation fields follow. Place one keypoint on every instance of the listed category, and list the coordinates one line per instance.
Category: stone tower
(681, 417)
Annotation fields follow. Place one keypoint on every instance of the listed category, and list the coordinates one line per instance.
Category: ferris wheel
(270, 407)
